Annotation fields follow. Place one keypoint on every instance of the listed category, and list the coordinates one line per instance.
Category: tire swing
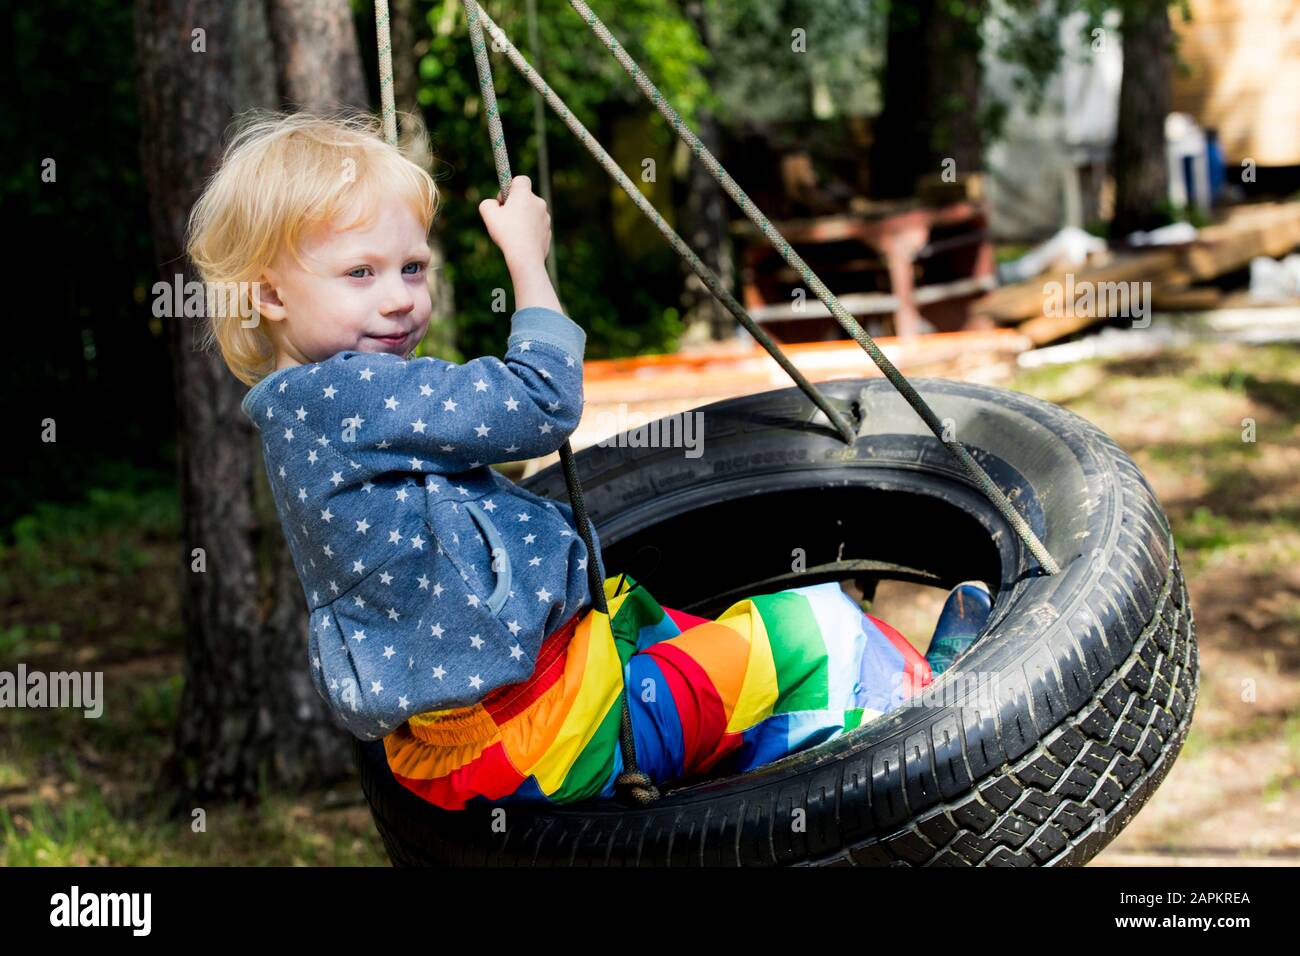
(1036, 748)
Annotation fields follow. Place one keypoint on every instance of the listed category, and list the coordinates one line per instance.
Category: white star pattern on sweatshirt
(407, 417)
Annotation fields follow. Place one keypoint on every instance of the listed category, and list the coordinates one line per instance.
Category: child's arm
(385, 414)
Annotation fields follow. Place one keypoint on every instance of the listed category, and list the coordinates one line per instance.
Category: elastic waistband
(479, 721)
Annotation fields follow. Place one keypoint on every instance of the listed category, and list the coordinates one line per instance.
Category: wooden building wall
(1244, 59)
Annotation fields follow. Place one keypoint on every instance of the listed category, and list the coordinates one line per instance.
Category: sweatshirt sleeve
(383, 413)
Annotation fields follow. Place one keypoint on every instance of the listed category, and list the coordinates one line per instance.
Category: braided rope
(382, 37)
(635, 781)
(842, 315)
(707, 275)
(501, 158)
(539, 130)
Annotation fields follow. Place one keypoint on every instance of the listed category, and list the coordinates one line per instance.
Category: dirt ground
(1233, 796)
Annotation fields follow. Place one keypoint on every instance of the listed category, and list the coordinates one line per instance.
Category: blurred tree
(1031, 28)
(782, 60)
(85, 353)
(316, 54)
(249, 711)
(705, 216)
(931, 94)
(627, 305)
(1141, 175)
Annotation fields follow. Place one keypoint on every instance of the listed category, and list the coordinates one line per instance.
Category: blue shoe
(963, 618)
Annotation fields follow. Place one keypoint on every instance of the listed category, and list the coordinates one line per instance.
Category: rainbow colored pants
(773, 675)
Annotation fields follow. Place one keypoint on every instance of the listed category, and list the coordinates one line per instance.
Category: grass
(83, 830)
(65, 567)
(85, 798)
(90, 586)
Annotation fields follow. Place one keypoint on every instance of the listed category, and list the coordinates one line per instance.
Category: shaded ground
(91, 587)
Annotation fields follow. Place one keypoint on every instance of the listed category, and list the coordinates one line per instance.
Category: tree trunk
(705, 225)
(931, 97)
(316, 54)
(1141, 179)
(249, 713)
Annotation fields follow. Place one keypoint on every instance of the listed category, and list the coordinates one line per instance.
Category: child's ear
(266, 298)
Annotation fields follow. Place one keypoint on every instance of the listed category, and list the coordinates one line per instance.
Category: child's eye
(419, 267)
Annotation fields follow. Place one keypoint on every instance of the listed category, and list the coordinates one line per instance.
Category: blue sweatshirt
(431, 578)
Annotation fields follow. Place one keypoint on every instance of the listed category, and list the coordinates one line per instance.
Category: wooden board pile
(1173, 274)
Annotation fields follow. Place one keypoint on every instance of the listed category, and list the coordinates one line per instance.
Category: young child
(449, 608)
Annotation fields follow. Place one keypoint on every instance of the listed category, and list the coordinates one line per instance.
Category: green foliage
(92, 50)
(626, 306)
(759, 76)
(86, 829)
(155, 710)
(64, 567)
(124, 496)
(82, 352)
(1029, 39)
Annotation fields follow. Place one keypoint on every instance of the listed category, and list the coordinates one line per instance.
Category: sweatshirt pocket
(500, 560)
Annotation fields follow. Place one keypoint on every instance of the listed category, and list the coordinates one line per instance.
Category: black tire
(1096, 668)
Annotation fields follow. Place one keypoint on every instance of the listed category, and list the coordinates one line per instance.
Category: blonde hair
(280, 174)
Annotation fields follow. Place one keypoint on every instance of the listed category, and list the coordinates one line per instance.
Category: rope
(634, 781)
(707, 275)
(501, 158)
(382, 37)
(539, 130)
(842, 315)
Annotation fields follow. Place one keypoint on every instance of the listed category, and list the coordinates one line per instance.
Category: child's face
(362, 290)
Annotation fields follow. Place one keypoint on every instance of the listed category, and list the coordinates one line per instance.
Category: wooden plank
(1229, 246)
(872, 303)
(1266, 229)
(1241, 76)
(1186, 300)
(1024, 300)
(647, 387)
(1045, 329)
(687, 377)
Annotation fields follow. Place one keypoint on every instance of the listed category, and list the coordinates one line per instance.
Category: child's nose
(398, 298)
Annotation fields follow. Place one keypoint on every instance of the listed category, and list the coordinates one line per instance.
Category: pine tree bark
(1141, 178)
(249, 713)
(316, 54)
